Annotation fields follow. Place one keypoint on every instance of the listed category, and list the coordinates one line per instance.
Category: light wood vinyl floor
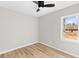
(36, 51)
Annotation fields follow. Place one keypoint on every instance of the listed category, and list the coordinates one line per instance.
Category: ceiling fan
(42, 4)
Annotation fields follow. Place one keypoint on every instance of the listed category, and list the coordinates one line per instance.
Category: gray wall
(50, 27)
(16, 29)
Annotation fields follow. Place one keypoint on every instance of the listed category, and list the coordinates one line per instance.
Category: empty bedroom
(39, 29)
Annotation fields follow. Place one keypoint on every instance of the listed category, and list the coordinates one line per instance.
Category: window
(70, 28)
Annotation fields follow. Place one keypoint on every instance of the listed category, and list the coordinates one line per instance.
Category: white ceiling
(29, 8)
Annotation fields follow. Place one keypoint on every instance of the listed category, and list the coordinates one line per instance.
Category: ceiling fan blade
(36, 2)
(49, 5)
(38, 10)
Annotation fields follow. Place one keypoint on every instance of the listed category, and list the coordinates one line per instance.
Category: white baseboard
(41, 43)
(18, 47)
(60, 50)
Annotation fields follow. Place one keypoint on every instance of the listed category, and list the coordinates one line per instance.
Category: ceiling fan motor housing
(40, 3)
